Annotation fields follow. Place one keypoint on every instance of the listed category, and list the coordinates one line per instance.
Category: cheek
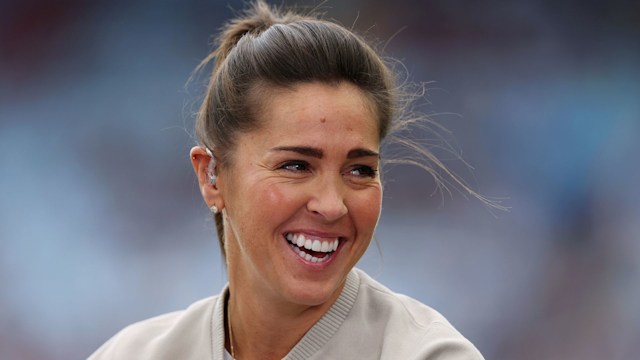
(272, 195)
(367, 211)
(277, 200)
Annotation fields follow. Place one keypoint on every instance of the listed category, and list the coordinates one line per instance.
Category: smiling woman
(290, 134)
(318, 187)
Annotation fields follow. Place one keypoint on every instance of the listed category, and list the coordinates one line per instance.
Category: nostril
(327, 198)
(330, 209)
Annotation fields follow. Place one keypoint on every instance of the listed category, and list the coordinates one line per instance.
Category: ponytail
(266, 47)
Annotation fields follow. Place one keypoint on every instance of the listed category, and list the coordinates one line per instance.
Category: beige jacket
(368, 321)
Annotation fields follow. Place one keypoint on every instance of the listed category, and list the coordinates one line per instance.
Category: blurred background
(102, 224)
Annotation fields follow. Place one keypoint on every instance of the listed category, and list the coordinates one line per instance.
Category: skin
(310, 168)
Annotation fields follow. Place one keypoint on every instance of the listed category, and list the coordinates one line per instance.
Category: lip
(316, 235)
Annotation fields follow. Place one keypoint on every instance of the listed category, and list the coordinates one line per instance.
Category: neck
(262, 328)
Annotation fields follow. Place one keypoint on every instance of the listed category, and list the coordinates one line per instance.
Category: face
(302, 194)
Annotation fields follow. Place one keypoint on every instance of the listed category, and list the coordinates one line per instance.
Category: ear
(200, 159)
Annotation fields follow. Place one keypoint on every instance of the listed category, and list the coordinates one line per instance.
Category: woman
(290, 133)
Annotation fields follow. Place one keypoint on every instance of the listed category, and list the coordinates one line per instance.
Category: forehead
(339, 107)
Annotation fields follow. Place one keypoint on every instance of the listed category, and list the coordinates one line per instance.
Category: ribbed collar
(313, 340)
(217, 326)
(329, 323)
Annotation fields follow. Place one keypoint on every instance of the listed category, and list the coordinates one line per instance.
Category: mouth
(312, 249)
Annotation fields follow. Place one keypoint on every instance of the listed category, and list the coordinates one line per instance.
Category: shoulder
(167, 336)
(410, 327)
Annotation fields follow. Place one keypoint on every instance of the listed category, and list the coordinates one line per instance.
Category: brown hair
(266, 46)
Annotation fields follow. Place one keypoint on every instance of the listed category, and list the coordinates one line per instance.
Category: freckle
(323, 120)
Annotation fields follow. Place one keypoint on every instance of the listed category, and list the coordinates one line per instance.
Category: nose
(327, 199)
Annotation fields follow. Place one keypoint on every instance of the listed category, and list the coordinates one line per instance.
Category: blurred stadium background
(101, 222)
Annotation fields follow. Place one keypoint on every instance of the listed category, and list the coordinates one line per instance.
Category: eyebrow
(317, 153)
(302, 150)
(359, 153)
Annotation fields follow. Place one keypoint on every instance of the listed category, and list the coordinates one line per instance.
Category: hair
(265, 47)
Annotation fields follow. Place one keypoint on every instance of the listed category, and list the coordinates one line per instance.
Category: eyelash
(288, 166)
(364, 171)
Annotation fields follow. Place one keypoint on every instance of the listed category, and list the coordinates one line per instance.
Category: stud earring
(214, 209)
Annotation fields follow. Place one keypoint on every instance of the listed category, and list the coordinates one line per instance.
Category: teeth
(299, 241)
(308, 257)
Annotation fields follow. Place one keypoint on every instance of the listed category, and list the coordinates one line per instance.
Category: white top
(367, 321)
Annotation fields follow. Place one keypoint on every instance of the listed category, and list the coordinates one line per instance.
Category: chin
(314, 294)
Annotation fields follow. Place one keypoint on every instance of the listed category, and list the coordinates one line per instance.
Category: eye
(363, 171)
(295, 166)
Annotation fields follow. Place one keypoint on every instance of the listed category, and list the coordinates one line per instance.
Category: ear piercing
(214, 209)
